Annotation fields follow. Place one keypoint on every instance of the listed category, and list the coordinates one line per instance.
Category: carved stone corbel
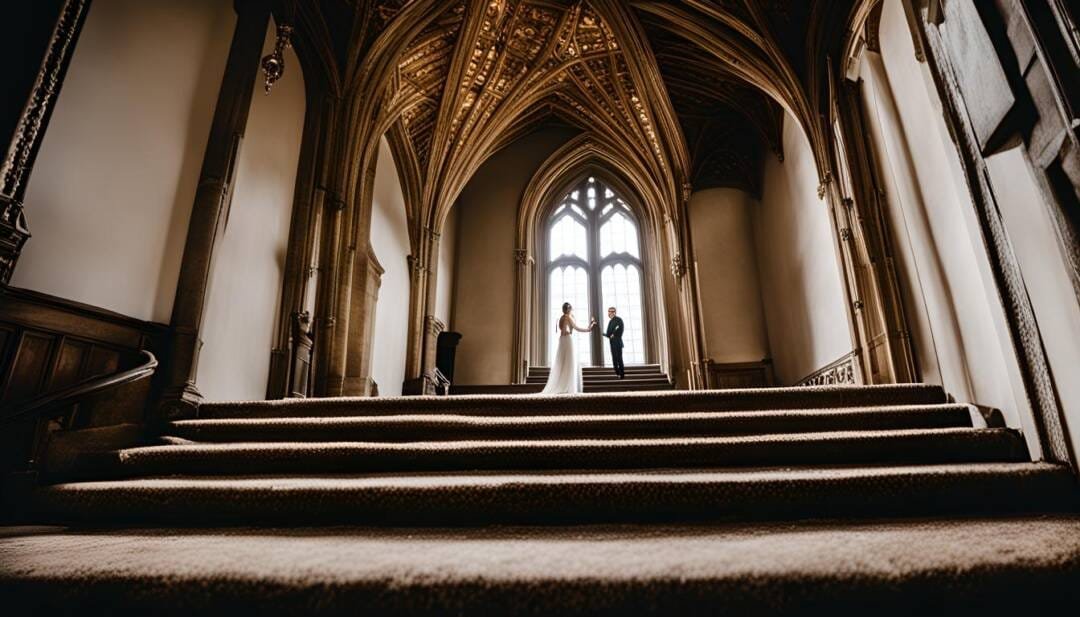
(678, 266)
(522, 257)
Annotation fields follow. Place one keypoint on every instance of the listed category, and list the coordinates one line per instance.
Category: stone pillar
(423, 272)
(522, 313)
(367, 278)
(210, 211)
(299, 257)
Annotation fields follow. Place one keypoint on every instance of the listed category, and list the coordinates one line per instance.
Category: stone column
(423, 270)
(210, 211)
(522, 309)
(367, 278)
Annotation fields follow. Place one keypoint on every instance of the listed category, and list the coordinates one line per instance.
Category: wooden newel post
(210, 211)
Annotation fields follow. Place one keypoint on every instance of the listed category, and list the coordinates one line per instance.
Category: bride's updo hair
(566, 307)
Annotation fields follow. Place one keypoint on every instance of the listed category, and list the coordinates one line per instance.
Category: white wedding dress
(565, 377)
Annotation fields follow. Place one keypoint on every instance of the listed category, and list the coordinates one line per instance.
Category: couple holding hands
(565, 377)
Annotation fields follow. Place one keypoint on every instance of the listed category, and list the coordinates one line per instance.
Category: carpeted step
(986, 567)
(515, 389)
(453, 427)
(627, 387)
(914, 446)
(631, 402)
(477, 498)
(640, 368)
(608, 377)
(1025, 565)
(597, 379)
(614, 380)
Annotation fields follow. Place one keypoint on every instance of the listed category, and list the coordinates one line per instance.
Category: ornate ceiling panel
(728, 125)
(421, 74)
(483, 65)
(483, 70)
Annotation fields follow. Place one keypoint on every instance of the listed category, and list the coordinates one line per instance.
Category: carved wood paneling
(48, 343)
(727, 375)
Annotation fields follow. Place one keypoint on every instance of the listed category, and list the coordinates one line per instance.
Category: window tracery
(593, 261)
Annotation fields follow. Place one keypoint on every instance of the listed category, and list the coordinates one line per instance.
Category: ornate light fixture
(273, 65)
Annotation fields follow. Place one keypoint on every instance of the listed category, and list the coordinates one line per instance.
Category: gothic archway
(662, 316)
(592, 257)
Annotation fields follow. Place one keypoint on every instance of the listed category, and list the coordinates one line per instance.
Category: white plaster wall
(484, 296)
(732, 312)
(444, 288)
(249, 259)
(930, 314)
(390, 241)
(948, 244)
(1034, 239)
(111, 192)
(801, 283)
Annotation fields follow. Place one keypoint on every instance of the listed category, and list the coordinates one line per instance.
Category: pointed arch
(584, 156)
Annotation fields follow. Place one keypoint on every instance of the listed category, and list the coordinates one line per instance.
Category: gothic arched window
(593, 261)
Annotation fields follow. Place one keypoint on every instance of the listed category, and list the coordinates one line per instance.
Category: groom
(614, 333)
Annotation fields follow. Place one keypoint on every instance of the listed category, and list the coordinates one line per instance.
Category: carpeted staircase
(594, 379)
(638, 377)
(723, 474)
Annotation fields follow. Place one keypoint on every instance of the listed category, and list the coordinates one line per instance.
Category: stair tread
(957, 567)
(554, 476)
(822, 436)
(576, 418)
(901, 446)
(510, 404)
(449, 426)
(476, 498)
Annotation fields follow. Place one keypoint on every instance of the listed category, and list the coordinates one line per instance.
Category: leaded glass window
(593, 261)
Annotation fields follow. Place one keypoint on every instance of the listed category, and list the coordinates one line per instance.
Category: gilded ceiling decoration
(482, 66)
(691, 91)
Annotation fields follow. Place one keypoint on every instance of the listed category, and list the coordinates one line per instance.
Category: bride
(565, 378)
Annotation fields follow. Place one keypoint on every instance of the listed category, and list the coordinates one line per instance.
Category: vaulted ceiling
(690, 90)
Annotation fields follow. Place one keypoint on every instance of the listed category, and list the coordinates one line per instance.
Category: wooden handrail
(45, 403)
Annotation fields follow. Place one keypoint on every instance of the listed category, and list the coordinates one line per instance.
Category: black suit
(614, 332)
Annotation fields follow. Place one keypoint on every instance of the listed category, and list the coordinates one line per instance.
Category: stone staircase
(774, 502)
(639, 377)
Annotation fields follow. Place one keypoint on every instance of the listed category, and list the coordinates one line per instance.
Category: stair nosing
(554, 476)
(585, 417)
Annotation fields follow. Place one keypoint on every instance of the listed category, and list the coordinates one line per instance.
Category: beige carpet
(917, 567)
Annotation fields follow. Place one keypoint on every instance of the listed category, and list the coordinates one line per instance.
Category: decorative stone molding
(824, 186)
(678, 266)
(416, 265)
(840, 372)
(522, 257)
